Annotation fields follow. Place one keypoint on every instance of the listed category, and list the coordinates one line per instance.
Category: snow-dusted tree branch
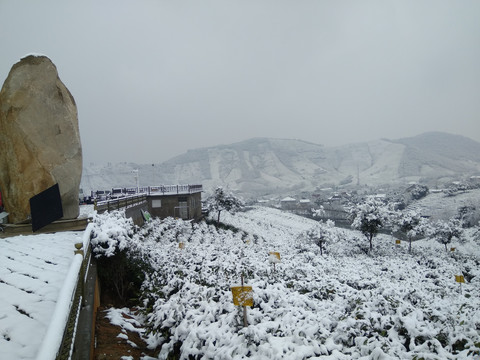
(445, 231)
(369, 217)
(222, 200)
(321, 234)
(411, 224)
(318, 212)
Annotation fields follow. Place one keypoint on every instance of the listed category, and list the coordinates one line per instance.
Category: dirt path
(110, 346)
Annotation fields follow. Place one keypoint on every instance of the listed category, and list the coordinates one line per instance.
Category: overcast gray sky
(153, 79)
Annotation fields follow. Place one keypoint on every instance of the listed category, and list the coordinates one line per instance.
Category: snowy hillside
(440, 206)
(278, 166)
(343, 304)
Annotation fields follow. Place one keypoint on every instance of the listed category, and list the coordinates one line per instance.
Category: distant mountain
(439, 154)
(278, 166)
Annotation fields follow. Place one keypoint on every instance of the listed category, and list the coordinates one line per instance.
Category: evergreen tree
(369, 217)
(221, 200)
(445, 231)
(411, 224)
(321, 233)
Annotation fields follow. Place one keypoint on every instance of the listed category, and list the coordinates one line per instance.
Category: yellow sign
(452, 249)
(181, 245)
(275, 253)
(242, 295)
(459, 279)
(398, 242)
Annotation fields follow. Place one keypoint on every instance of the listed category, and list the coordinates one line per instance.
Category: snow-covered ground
(344, 304)
(437, 205)
(33, 270)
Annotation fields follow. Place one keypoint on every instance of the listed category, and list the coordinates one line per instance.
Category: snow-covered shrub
(191, 281)
(321, 234)
(120, 267)
(445, 231)
(469, 215)
(319, 212)
(347, 305)
(418, 191)
(111, 233)
(456, 188)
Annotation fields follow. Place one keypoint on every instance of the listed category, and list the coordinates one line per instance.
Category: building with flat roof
(179, 201)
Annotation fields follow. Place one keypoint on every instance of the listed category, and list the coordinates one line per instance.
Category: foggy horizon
(153, 80)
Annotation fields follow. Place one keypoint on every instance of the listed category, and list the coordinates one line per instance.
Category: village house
(288, 203)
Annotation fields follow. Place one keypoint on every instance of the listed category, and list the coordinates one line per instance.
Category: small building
(305, 204)
(288, 203)
(475, 179)
(179, 201)
(263, 202)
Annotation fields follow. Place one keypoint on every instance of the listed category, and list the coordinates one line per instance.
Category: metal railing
(140, 198)
(174, 189)
(147, 190)
(120, 203)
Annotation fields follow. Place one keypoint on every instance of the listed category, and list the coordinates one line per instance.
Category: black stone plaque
(46, 207)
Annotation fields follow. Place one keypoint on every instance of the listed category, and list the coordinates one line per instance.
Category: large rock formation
(39, 138)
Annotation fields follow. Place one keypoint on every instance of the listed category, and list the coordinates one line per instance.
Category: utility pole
(135, 172)
(153, 170)
(358, 175)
